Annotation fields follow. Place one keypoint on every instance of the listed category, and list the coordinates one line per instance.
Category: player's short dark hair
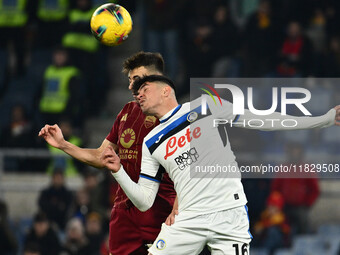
(148, 59)
(151, 78)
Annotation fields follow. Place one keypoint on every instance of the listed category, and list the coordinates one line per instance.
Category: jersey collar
(171, 113)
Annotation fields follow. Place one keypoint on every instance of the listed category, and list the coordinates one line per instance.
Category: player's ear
(167, 91)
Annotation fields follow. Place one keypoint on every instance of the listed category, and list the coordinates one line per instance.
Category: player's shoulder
(214, 103)
(199, 101)
(195, 104)
(210, 99)
(131, 106)
(154, 131)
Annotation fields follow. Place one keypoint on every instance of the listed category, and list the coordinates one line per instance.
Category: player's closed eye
(143, 88)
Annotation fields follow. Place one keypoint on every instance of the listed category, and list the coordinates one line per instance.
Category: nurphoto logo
(239, 99)
(302, 96)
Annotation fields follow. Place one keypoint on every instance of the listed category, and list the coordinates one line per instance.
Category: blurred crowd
(222, 38)
(52, 70)
(67, 222)
(75, 222)
(243, 38)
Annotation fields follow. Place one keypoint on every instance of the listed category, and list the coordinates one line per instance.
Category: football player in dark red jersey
(130, 229)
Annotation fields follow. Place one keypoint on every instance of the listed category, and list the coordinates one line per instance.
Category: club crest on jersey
(127, 138)
(160, 245)
(192, 116)
(149, 121)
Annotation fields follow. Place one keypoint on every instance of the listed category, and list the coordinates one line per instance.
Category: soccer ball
(111, 24)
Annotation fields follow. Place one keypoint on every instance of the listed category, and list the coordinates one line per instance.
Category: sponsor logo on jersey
(127, 138)
(160, 245)
(128, 154)
(187, 158)
(124, 117)
(149, 121)
(173, 143)
(192, 116)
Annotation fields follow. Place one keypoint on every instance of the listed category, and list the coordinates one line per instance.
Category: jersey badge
(192, 116)
(149, 121)
(160, 245)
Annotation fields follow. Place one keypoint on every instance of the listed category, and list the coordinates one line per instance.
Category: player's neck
(169, 106)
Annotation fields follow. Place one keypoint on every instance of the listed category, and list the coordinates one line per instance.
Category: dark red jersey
(128, 132)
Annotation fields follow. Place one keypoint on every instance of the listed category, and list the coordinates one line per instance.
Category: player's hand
(110, 159)
(52, 135)
(171, 218)
(337, 115)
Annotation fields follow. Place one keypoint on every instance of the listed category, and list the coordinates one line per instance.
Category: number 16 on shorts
(241, 249)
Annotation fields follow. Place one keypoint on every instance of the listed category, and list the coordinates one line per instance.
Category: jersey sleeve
(150, 168)
(274, 121)
(141, 194)
(113, 135)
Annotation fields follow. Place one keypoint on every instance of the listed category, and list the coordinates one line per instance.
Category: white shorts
(225, 232)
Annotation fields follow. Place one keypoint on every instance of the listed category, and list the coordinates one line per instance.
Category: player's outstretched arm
(54, 136)
(141, 194)
(274, 121)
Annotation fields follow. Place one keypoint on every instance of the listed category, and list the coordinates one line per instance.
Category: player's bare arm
(171, 218)
(54, 136)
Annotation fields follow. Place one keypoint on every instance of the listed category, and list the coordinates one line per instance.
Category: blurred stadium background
(218, 38)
